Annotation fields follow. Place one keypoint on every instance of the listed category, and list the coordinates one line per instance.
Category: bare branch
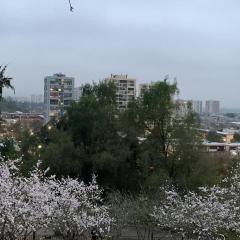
(70, 5)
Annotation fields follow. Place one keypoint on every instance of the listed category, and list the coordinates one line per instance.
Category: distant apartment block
(183, 106)
(58, 93)
(21, 99)
(36, 98)
(77, 93)
(142, 87)
(197, 106)
(126, 89)
(212, 107)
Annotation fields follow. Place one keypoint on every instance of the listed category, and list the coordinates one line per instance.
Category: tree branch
(70, 5)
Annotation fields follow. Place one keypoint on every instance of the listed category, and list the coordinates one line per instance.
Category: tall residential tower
(58, 93)
(212, 107)
(126, 89)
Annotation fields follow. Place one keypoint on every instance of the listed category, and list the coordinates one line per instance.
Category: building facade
(77, 93)
(183, 107)
(58, 94)
(126, 89)
(197, 106)
(212, 107)
(142, 87)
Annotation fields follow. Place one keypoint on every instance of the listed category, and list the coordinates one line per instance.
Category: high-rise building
(77, 93)
(126, 89)
(33, 98)
(183, 107)
(58, 93)
(142, 87)
(39, 98)
(197, 106)
(212, 107)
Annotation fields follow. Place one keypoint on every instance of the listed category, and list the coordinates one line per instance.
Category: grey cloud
(195, 40)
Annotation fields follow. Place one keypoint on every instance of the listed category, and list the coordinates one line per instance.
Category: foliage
(236, 137)
(94, 141)
(5, 82)
(62, 157)
(132, 210)
(213, 136)
(171, 145)
(138, 149)
(9, 149)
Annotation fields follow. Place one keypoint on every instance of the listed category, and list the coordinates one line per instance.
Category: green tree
(96, 133)
(170, 144)
(236, 137)
(9, 149)
(213, 136)
(61, 156)
(152, 116)
(4, 82)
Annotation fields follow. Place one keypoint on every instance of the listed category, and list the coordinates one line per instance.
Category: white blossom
(67, 205)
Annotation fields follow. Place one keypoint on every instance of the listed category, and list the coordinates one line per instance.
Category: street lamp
(39, 148)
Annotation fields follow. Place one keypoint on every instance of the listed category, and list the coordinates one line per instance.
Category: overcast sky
(197, 41)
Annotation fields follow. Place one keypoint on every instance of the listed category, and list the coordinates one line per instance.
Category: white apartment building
(77, 93)
(197, 106)
(212, 107)
(183, 107)
(126, 89)
(142, 87)
(58, 93)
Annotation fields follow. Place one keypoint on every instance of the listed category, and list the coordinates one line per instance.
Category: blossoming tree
(67, 205)
(212, 213)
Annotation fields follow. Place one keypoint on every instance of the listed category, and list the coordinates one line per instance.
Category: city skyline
(197, 42)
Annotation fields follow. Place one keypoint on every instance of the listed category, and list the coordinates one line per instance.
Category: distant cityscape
(60, 90)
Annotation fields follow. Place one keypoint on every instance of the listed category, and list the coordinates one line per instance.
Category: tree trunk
(34, 235)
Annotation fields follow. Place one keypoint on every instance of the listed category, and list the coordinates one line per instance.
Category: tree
(37, 202)
(169, 142)
(61, 156)
(204, 215)
(9, 149)
(4, 81)
(213, 136)
(70, 5)
(94, 124)
(132, 210)
(236, 137)
(210, 213)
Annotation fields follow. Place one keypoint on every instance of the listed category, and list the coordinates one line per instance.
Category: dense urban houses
(58, 93)
(126, 89)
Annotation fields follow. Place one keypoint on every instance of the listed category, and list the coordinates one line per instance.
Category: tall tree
(213, 136)
(95, 140)
(4, 82)
(153, 115)
(169, 141)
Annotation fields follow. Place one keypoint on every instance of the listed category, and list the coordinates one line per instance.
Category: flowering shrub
(68, 206)
(212, 213)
